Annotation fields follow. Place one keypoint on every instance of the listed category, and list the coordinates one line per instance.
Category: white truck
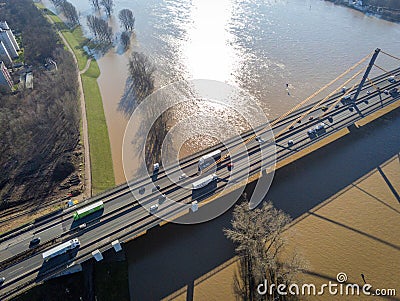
(61, 249)
(204, 181)
(208, 159)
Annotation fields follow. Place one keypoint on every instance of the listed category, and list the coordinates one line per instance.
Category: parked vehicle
(2, 279)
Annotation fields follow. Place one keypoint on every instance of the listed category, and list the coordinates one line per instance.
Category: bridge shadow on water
(173, 257)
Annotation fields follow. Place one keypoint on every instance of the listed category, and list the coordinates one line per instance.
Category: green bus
(88, 210)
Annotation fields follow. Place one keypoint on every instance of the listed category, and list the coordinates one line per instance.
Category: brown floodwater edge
(175, 256)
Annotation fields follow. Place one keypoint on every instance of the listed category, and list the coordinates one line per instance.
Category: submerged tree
(108, 6)
(70, 12)
(127, 19)
(259, 242)
(125, 40)
(100, 29)
(95, 4)
(57, 3)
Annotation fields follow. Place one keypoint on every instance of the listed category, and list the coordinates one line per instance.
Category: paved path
(86, 67)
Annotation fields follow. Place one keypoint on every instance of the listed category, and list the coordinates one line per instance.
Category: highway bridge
(123, 218)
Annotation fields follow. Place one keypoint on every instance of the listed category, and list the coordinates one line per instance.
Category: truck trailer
(204, 181)
(61, 249)
(208, 159)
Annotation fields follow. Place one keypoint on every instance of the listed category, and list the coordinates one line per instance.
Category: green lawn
(99, 143)
(100, 150)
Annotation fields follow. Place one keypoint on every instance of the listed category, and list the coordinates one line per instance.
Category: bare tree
(125, 40)
(127, 19)
(92, 24)
(70, 12)
(95, 4)
(259, 242)
(100, 29)
(108, 6)
(57, 3)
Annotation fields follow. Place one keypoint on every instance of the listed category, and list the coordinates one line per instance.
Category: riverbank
(101, 167)
(387, 11)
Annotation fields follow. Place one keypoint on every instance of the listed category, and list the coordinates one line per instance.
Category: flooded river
(257, 45)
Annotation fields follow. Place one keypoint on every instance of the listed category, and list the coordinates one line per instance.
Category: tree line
(101, 31)
(39, 127)
(68, 10)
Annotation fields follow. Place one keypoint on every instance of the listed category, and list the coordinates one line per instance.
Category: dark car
(2, 279)
(346, 100)
(34, 242)
(312, 133)
(230, 166)
(394, 92)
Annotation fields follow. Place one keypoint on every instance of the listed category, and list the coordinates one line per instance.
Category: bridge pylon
(370, 65)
